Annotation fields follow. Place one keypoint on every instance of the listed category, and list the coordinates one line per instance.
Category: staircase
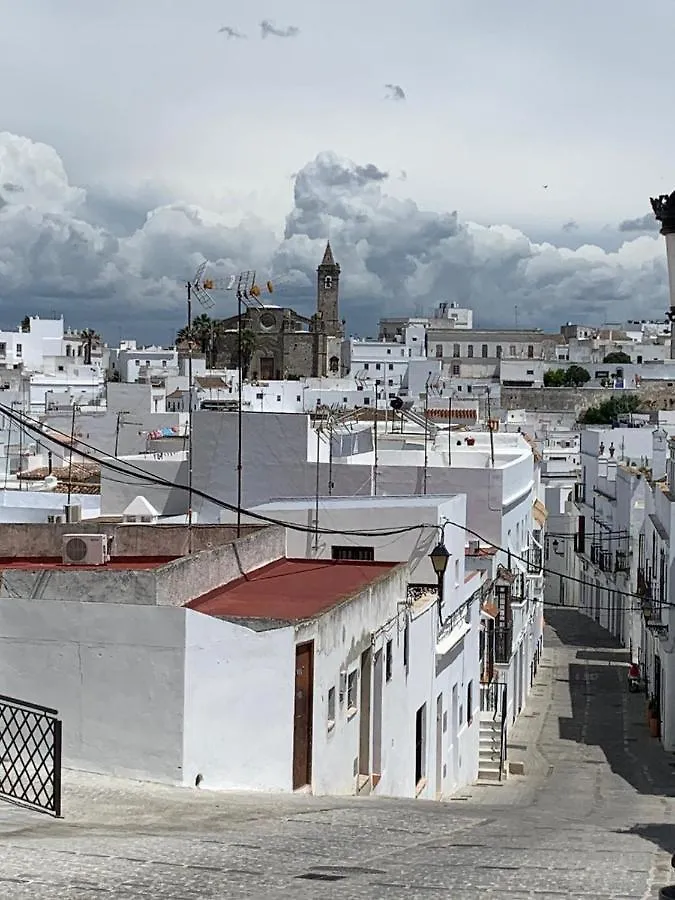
(489, 751)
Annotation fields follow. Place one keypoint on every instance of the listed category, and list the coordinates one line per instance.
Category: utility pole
(317, 488)
(240, 394)
(70, 465)
(426, 433)
(492, 437)
(190, 343)
(375, 444)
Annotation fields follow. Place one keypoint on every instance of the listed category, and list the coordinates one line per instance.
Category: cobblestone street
(591, 817)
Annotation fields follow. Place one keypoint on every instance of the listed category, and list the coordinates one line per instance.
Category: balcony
(503, 643)
(622, 561)
(605, 561)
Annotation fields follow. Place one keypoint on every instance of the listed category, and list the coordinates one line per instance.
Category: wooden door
(302, 719)
(267, 368)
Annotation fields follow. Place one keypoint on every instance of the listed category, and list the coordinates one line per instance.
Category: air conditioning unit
(85, 549)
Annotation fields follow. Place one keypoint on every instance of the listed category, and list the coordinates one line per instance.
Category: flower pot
(654, 727)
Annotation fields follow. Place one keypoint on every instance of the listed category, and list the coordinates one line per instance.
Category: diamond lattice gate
(30, 755)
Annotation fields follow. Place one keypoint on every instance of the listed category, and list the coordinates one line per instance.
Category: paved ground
(590, 819)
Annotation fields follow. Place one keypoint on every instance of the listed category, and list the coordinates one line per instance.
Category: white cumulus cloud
(107, 261)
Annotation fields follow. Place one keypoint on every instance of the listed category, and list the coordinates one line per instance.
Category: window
(530, 372)
(3, 347)
(377, 367)
(512, 350)
(439, 351)
(164, 364)
(469, 351)
(455, 368)
(138, 362)
(389, 663)
(456, 571)
(61, 368)
(530, 351)
(19, 349)
(366, 365)
(499, 351)
(298, 398)
(420, 744)
(366, 400)
(278, 398)
(406, 647)
(328, 283)
(67, 349)
(388, 351)
(484, 351)
(364, 554)
(259, 396)
(469, 703)
(352, 687)
(391, 367)
(455, 350)
(331, 709)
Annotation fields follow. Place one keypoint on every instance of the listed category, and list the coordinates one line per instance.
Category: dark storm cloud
(102, 260)
(644, 223)
(570, 226)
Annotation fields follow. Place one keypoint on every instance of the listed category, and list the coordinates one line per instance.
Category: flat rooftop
(379, 501)
(290, 590)
(130, 563)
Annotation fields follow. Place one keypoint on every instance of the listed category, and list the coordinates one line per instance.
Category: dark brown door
(302, 722)
(267, 368)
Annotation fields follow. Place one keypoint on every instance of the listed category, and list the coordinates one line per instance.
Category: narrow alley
(592, 817)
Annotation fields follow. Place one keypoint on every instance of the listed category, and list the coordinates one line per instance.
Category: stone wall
(45, 541)
(653, 396)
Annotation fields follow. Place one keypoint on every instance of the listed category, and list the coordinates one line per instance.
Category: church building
(278, 343)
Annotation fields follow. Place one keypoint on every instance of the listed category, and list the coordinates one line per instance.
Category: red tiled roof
(291, 589)
(130, 563)
(442, 413)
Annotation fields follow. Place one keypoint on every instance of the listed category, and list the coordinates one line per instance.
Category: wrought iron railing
(605, 560)
(621, 561)
(503, 643)
(491, 697)
(30, 755)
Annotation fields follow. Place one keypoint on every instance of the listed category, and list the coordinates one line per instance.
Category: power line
(140, 474)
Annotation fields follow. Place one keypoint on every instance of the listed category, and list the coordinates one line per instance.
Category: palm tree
(248, 347)
(201, 328)
(91, 339)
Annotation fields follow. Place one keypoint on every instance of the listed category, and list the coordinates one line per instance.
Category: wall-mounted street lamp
(439, 557)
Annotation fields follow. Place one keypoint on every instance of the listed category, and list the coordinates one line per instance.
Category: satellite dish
(396, 403)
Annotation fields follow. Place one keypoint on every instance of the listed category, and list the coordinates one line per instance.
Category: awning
(539, 512)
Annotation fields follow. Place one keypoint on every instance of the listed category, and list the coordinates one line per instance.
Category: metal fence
(30, 755)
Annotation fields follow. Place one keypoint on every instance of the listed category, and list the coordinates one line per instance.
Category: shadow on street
(604, 713)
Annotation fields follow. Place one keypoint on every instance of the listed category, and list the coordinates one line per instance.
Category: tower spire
(328, 258)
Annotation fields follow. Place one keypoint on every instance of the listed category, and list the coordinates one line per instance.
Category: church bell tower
(328, 284)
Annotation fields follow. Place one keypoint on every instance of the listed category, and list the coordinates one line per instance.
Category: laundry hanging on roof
(172, 431)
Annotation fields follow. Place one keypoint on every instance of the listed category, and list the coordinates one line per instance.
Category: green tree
(90, 340)
(609, 410)
(25, 324)
(617, 356)
(570, 377)
(554, 378)
(576, 375)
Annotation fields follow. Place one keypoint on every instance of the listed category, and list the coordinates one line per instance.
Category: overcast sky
(139, 137)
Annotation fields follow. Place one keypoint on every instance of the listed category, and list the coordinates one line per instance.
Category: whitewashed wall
(239, 705)
(115, 674)
(349, 514)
